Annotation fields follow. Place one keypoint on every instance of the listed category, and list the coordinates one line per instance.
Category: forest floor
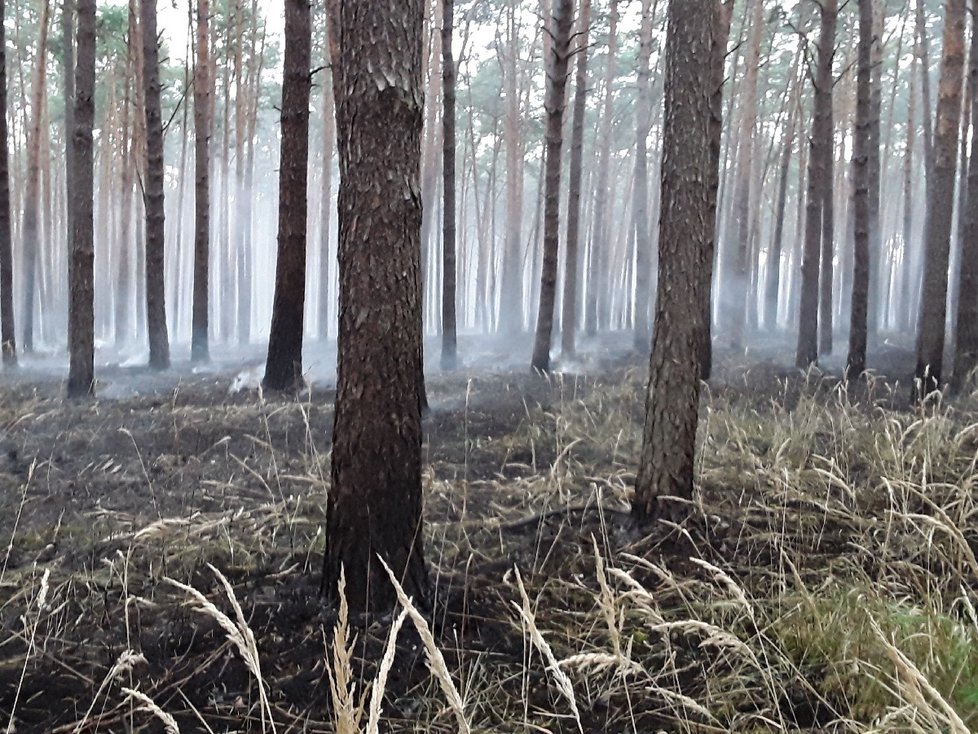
(825, 581)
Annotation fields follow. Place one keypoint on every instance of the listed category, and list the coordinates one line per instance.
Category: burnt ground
(103, 502)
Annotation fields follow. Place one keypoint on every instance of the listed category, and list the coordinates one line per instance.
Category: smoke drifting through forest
(499, 49)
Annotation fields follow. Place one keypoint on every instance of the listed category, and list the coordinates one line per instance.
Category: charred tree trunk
(159, 342)
(374, 506)
(8, 340)
(856, 362)
(283, 367)
(940, 205)
(568, 318)
(819, 191)
(557, 66)
(81, 271)
(449, 337)
(685, 263)
(200, 345)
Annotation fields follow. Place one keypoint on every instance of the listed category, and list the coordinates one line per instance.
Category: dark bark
(819, 192)
(200, 343)
(966, 341)
(557, 67)
(374, 503)
(685, 263)
(159, 342)
(449, 338)
(940, 205)
(572, 267)
(81, 273)
(283, 368)
(856, 361)
(8, 340)
(721, 35)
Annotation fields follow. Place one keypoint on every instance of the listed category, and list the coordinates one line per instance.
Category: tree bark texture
(557, 65)
(685, 262)
(159, 342)
(374, 503)
(283, 367)
(81, 265)
(940, 205)
(568, 319)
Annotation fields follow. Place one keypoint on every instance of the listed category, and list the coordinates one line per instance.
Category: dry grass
(825, 580)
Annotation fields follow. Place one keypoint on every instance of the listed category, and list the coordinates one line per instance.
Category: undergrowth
(824, 580)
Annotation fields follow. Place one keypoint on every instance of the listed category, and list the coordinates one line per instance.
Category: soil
(167, 474)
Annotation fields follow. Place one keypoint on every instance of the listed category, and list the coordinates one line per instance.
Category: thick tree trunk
(819, 192)
(374, 503)
(8, 340)
(685, 263)
(283, 368)
(940, 205)
(557, 66)
(200, 347)
(449, 337)
(856, 362)
(966, 341)
(81, 308)
(159, 342)
(572, 269)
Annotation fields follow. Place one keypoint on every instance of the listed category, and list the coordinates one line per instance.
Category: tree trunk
(8, 340)
(940, 205)
(873, 164)
(449, 337)
(200, 347)
(966, 342)
(81, 309)
(374, 506)
(568, 317)
(511, 301)
(718, 59)
(685, 262)
(735, 295)
(856, 362)
(29, 233)
(159, 343)
(329, 142)
(819, 191)
(599, 255)
(557, 65)
(643, 242)
(283, 368)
